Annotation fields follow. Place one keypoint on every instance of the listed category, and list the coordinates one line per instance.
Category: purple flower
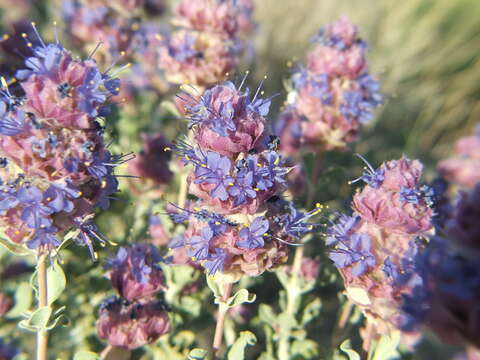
(71, 164)
(259, 105)
(217, 172)
(88, 232)
(8, 199)
(109, 186)
(200, 244)
(34, 211)
(177, 242)
(60, 196)
(242, 187)
(355, 106)
(272, 172)
(89, 93)
(100, 165)
(372, 177)
(45, 60)
(216, 261)
(295, 223)
(357, 250)
(44, 237)
(340, 230)
(145, 258)
(11, 124)
(372, 89)
(252, 236)
(185, 50)
(203, 112)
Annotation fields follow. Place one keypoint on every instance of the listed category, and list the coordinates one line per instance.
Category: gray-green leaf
(197, 354)
(237, 351)
(346, 348)
(56, 282)
(86, 355)
(23, 300)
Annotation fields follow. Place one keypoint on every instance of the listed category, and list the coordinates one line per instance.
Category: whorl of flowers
(239, 223)
(447, 298)
(464, 167)
(136, 317)
(374, 248)
(113, 24)
(113, 30)
(55, 167)
(333, 94)
(208, 41)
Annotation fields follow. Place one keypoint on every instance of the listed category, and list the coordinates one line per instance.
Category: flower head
(132, 325)
(334, 95)
(55, 166)
(135, 272)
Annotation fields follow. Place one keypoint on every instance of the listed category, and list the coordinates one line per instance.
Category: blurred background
(425, 53)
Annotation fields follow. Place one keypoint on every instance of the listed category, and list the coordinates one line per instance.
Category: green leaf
(213, 285)
(190, 305)
(41, 317)
(286, 321)
(266, 314)
(358, 295)
(346, 348)
(23, 300)
(197, 354)
(386, 348)
(56, 282)
(15, 249)
(38, 320)
(237, 351)
(311, 311)
(61, 320)
(86, 355)
(283, 278)
(304, 349)
(241, 296)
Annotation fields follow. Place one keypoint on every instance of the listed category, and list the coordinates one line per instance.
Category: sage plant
(238, 224)
(56, 168)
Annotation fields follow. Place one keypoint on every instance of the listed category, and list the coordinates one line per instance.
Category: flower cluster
(90, 21)
(55, 168)
(374, 248)
(463, 167)
(239, 223)
(332, 95)
(209, 38)
(447, 297)
(136, 317)
(114, 30)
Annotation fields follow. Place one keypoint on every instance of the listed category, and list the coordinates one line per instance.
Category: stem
(222, 314)
(292, 301)
(292, 290)
(42, 336)
(342, 321)
(182, 192)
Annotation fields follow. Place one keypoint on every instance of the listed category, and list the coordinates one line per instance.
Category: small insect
(65, 90)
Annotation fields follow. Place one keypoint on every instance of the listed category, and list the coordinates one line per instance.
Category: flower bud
(132, 325)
